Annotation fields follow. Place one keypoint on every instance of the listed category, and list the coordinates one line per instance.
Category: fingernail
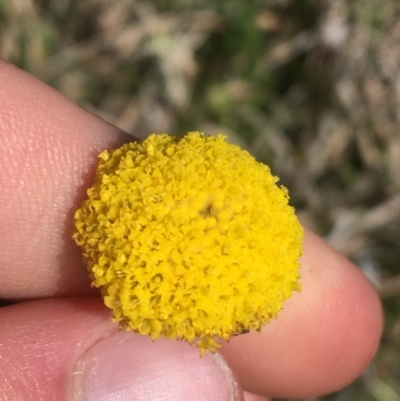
(127, 366)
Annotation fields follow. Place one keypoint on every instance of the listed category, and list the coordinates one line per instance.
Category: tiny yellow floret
(189, 237)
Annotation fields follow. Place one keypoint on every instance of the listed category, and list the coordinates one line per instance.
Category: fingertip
(324, 338)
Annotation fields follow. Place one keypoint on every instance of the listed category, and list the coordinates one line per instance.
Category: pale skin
(324, 338)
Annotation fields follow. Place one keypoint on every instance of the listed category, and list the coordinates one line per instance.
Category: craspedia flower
(189, 237)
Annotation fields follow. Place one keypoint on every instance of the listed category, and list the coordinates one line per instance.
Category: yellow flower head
(189, 237)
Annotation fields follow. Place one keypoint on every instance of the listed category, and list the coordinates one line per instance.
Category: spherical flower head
(189, 237)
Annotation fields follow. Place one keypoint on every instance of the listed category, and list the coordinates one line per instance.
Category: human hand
(60, 344)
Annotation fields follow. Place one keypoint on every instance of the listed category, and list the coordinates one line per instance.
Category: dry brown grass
(312, 88)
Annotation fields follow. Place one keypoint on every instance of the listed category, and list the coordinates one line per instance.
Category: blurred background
(311, 88)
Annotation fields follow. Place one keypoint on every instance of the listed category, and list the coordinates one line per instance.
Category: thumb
(67, 350)
(125, 366)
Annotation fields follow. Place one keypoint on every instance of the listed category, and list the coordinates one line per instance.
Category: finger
(48, 155)
(67, 350)
(322, 340)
